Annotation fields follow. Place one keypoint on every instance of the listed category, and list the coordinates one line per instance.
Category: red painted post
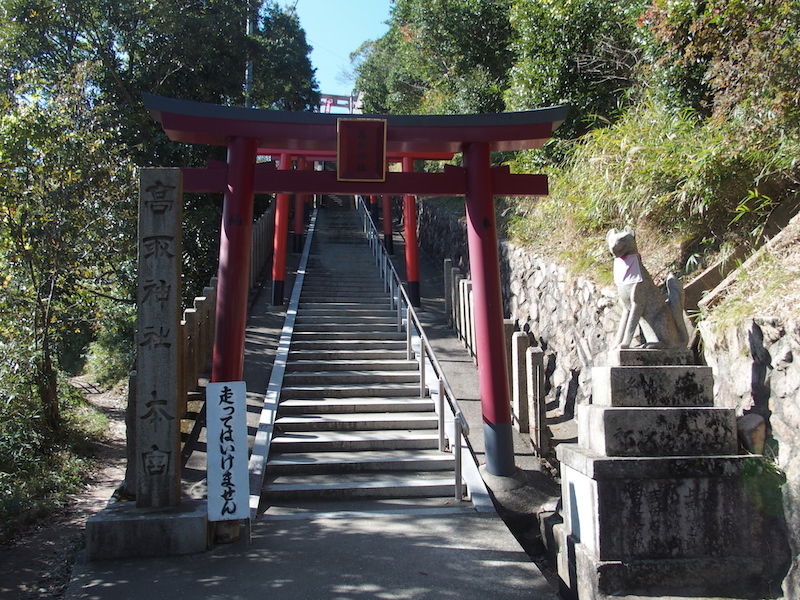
(279, 238)
(373, 209)
(388, 241)
(484, 263)
(234, 262)
(410, 225)
(299, 211)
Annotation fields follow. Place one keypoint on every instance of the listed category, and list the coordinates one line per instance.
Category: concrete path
(391, 556)
(395, 554)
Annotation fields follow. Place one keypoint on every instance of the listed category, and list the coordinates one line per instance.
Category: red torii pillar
(279, 238)
(388, 241)
(234, 262)
(484, 263)
(410, 225)
(299, 211)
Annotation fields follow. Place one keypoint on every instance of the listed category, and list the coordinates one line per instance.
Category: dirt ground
(37, 563)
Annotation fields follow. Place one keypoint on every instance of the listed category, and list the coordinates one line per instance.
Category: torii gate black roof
(310, 134)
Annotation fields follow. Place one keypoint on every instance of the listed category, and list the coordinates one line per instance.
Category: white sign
(226, 430)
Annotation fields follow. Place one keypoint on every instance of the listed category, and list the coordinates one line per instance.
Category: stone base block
(123, 531)
(676, 386)
(726, 577)
(650, 432)
(628, 509)
(641, 357)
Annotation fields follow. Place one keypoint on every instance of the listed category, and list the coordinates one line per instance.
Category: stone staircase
(352, 431)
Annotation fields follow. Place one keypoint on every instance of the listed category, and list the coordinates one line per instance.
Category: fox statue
(661, 318)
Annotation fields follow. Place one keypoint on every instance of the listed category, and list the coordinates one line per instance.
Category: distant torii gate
(248, 133)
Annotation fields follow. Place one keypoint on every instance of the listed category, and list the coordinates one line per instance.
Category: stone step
(329, 317)
(354, 390)
(357, 421)
(303, 336)
(357, 485)
(344, 328)
(338, 304)
(357, 356)
(361, 405)
(345, 313)
(299, 508)
(347, 345)
(336, 441)
(335, 378)
(653, 386)
(657, 432)
(368, 460)
(334, 288)
(298, 365)
(351, 294)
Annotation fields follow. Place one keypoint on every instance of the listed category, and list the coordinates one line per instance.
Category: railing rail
(427, 358)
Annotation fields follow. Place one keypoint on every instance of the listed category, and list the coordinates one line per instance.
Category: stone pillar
(158, 384)
(448, 290)
(519, 381)
(537, 404)
(456, 278)
(508, 333)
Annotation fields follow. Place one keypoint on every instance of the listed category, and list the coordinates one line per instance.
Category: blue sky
(335, 28)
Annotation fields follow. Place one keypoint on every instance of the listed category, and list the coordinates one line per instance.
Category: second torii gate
(248, 133)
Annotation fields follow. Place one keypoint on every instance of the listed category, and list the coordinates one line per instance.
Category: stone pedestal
(653, 496)
(122, 530)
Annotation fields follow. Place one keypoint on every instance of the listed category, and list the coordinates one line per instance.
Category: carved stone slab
(157, 343)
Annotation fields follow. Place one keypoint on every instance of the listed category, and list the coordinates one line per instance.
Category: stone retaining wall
(756, 373)
(570, 318)
(573, 319)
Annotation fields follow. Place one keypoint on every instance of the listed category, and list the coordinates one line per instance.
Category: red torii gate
(248, 133)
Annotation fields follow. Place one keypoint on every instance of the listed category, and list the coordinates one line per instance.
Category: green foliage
(722, 56)
(65, 224)
(72, 130)
(578, 52)
(111, 355)
(36, 476)
(439, 56)
(283, 76)
(669, 170)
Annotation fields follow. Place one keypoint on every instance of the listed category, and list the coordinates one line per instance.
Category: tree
(284, 75)
(65, 218)
(73, 127)
(723, 55)
(578, 52)
(439, 56)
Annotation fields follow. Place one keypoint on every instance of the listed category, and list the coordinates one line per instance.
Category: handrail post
(409, 349)
(400, 313)
(440, 412)
(456, 449)
(422, 355)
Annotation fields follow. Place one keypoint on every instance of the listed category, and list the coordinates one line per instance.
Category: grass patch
(39, 476)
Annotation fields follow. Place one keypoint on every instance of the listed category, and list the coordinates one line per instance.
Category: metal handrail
(400, 300)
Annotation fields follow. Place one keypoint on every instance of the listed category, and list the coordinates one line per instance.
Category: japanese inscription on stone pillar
(157, 344)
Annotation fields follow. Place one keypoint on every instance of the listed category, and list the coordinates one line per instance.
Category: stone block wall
(570, 318)
(573, 319)
(755, 373)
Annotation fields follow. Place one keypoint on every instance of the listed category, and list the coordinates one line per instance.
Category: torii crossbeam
(248, 133)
